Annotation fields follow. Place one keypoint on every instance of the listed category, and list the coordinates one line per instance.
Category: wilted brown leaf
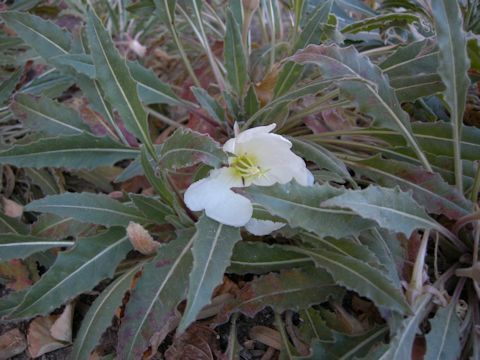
(141, 239)
(265, 87)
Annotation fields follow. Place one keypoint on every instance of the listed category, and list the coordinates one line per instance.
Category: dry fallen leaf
(12, 343)
(62, 328)
(198, 343)
(141, 239)
(267, 336)
(11, 208)
(40, 337)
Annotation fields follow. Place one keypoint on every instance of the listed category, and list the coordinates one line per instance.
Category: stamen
(246, 167)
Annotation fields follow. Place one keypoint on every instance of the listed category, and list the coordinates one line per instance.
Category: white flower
(256, 157)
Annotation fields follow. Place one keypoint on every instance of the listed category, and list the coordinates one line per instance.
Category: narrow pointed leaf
(100, 314)
(151, 89)
(234, 53)
(47, 116)
(82, 151)
(427, 188)
(116, 81)
(80, 269)
(357, 275)
(212, 249)
(185, 148)
(90, 208)
(453, 66)
(162, 286)
(391, 208)
(46, 38)
(443, 340)
(210, 104)
(13, 246)
(267, 258)
(300, 206)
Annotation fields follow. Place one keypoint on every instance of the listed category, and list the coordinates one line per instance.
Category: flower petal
(214, 195)
(232, 144)
(259, 227)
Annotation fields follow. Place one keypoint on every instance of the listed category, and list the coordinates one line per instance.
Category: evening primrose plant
(264, 179)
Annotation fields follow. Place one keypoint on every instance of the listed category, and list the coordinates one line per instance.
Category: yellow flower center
(246, 166)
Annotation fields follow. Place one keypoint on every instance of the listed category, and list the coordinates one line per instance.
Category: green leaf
(311, 34)
(15, 246)
(80, 269)
(57, 227)
(341, 246)
(100, 314)
(11, 225)
(347, 347)
(357, 275)
(291, 289)
(212, 249)
(300, 206)
(453, 65)
(82, 151)
(152, 208)
(9, 302)
(8, 86)
(234, 53)
(46, 38)
(427, 188)
(400, 346)
(153, 303)
(158, 183)
(391, 208)
(411, 88)
(116, 81)
(251, 103)
(210, 104)
(383, 21)
(151, 89)
(320, 156)
(46, 181)
(364, 83)
(186, 147)
(90, 208)
(51, 84)
(443, 340)
(48, 116)
(314, 327)
(259, 258)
